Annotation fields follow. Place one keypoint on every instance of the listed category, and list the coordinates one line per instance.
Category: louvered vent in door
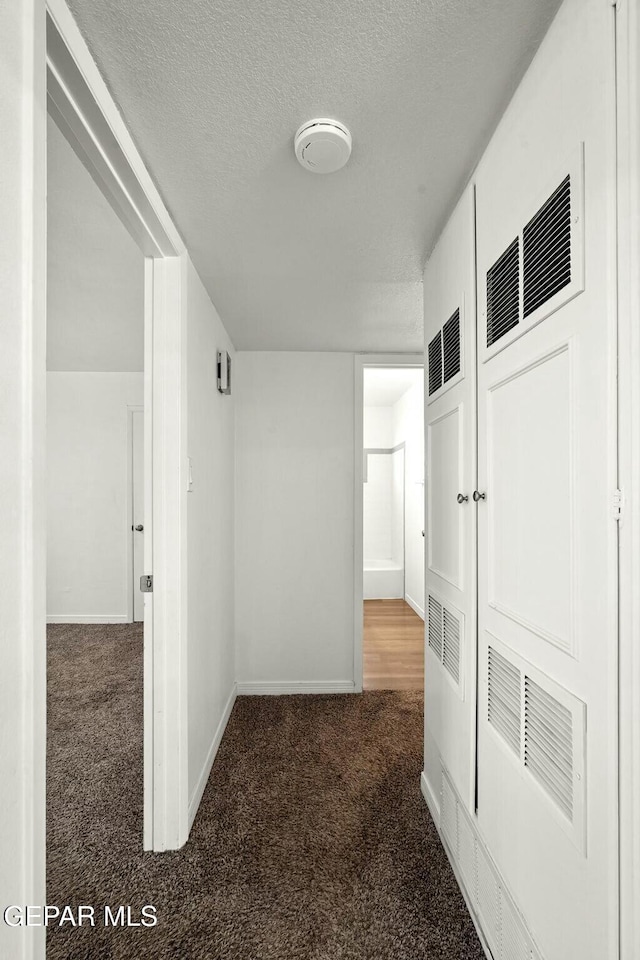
(546, 249)
(435, 363)
(451, 346)
(548, 744)
(503, 293)
(504, 698)
(451, 644)
(435, 627)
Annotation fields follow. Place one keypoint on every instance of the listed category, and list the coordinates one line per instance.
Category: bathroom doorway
(390, 603)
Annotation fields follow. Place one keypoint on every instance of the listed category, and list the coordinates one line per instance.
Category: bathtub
(383, 580)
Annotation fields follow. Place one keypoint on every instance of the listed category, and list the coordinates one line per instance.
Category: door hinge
(146, 583)
(618, 504)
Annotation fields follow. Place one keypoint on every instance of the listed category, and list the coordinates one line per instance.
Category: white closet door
(546, 469)
(449, 290)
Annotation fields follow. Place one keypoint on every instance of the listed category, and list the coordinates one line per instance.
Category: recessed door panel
(529, 489)
(444, 482)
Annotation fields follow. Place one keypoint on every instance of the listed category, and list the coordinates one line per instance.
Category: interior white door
(137, 532)
(547, 749)
(450, 321)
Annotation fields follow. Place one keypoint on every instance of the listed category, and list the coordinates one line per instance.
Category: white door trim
(628, 143)
(81, 104)
(131, 409)
(361, 361)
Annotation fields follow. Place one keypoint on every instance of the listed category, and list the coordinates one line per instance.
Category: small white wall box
(224, 372)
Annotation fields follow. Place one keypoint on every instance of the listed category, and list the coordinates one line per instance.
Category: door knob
(461, 498)
(479, 496)
(139, 528)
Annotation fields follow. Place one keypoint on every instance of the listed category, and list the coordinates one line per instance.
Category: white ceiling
(213, 92)
(383, 386)
(95, 272)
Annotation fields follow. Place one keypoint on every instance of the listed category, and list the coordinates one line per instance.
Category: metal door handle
(479, 496)
(139, 528)
(461, 498)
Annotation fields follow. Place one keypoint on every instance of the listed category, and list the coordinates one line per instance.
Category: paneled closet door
(450, 687)
(547, 654)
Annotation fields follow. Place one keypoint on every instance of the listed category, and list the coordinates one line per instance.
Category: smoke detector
(322, 146)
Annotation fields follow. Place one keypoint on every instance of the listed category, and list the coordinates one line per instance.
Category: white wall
(377, 491)
(294, 519)
(88, 528)
(377, 498)
(210, 541)
(377, 425)
(95, 272)
(408, 426)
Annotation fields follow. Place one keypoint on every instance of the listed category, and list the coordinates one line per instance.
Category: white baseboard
(259, 688)
(414, 606)
(194, 802)
(88, 618)
(430, 798)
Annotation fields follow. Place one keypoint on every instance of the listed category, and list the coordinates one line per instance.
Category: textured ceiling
(383, 386)
(213, 92)
(95, 272)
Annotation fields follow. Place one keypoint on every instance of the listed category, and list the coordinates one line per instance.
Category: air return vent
(548, 744)
(451, 645)
(503, 293)
(546, 249)
(445, 636)
(504, 699)
(545, 727)
(435, 627)
(451, 346)
(435, 363)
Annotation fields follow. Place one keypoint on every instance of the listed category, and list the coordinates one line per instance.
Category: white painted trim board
(203, 779)
(278, 688)
(88, 618)
(414, 606)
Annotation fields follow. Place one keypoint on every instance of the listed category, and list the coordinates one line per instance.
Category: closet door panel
(547, 563)
(450, 654)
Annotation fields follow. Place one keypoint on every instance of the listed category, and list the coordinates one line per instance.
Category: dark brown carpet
(312, 840)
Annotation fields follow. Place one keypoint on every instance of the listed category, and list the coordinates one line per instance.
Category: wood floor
(393, 646)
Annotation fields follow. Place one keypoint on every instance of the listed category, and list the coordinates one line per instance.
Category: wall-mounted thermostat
(224, 372)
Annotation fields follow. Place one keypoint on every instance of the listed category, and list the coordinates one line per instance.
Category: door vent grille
(451, 346)
(501, 920)
(435, 627)
(446, 637)
(451, 645)
(545, 727)
(504, 699)
(503, 293)
(548, 744)
(435, 363)
(546, 249)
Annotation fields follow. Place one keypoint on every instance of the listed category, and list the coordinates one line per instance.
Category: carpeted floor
(312, 840)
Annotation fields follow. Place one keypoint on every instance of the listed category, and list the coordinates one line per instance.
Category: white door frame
(81, 105)
(628, 142)
(362, 361)
(132, 408)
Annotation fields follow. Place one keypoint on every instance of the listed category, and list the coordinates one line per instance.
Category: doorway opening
(95, 522)
(391, 538)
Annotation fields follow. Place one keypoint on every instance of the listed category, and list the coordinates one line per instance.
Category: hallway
(312, 841)
(393, 646)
